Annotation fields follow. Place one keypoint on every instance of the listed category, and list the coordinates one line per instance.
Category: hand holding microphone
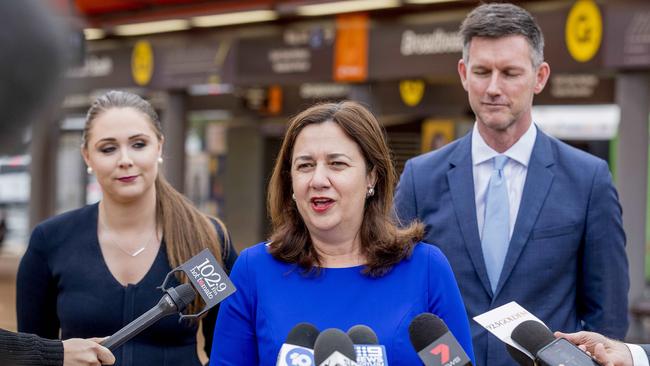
(537, 339)
(605, 350)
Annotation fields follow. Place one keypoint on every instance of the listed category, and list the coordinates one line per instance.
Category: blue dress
(64, 283)
(273, 296)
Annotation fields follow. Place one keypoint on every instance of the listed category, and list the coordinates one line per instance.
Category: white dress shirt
(639, 357)
(515, 172)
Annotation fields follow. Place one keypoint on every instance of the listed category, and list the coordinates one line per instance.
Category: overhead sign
(411, 91)
(584, 30)
(304, 56)
(142, 63)
(351, 48)
(418, 49)
(628, 35)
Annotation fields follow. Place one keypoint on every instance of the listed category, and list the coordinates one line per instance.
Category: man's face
(500, 81)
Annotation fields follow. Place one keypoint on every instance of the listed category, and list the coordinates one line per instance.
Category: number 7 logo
(443, 351)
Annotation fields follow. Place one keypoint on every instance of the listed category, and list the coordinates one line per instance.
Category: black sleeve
(36, 290)
(21, 349)
(228, 256)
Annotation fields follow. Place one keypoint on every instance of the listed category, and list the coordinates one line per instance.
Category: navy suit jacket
(566, 261)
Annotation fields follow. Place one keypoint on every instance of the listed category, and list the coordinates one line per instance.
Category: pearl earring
(293, 196)
(371, 192)
(89, 170)
(160, 160)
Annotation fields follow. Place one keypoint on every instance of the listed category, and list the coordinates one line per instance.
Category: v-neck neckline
(102, 259)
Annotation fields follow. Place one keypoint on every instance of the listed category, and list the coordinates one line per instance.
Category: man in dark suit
(608, 351)
(520, 215)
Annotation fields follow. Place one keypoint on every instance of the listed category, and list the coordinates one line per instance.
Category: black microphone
(334, 348)
(34, 50)
(298, 349)
(366, 345)
(537, 339)
(173, 301)
(362, 334)
(434, 343)
(521, 358)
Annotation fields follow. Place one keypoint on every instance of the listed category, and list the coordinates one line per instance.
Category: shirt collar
(519, 152)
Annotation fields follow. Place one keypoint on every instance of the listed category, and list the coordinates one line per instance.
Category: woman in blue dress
(89, 272)
(336, 257)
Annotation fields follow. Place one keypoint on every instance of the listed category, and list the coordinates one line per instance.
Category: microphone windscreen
(303, 335)
(425, 329)
(186, 295)
(521, 358)
(330, 341)
(33, 48)
(362, 334)
(532, 336)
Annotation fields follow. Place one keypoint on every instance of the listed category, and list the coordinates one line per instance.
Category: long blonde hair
(186, 230)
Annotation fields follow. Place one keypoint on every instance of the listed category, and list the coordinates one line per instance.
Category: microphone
(173, 301)
(537, 339)
(521, 358)
(366, 345)
(434, 343)
(334, 348)
(32, 67)
(298, 349)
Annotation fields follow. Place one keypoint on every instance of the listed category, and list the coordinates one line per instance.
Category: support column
(174, 125)
(244, 184)
(633, 96)
(43, 169)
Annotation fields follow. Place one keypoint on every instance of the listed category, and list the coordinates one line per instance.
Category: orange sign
(351, 47)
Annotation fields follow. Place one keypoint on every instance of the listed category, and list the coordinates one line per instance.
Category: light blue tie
(496, 226)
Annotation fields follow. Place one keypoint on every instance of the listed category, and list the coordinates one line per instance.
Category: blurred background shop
(226, 76)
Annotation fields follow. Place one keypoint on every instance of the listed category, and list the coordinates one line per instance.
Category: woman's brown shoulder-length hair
(383, 243)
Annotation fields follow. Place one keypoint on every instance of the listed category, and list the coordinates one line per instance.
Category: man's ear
(462, 72)
(543, 73)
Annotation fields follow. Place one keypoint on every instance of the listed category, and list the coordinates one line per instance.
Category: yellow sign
(584, 30)
(411, 91)
(436, 133)
(142, 63)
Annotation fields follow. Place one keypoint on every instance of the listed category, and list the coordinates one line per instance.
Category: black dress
(64, 283)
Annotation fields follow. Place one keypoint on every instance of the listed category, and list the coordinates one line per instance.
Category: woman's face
(330, 181)
(123, 151)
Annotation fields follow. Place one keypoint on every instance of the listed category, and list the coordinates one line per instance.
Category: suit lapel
(461, 186)
(538, 182)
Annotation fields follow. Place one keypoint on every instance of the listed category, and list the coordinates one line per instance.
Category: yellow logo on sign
(411, 91)
(584, 30)
(142, 63)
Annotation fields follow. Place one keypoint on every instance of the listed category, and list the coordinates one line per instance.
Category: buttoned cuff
(639, 357)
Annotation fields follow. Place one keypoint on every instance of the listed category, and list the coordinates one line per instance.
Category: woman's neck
(140, 213)
(340, 253)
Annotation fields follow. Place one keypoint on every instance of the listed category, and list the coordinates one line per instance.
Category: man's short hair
(501, 20)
